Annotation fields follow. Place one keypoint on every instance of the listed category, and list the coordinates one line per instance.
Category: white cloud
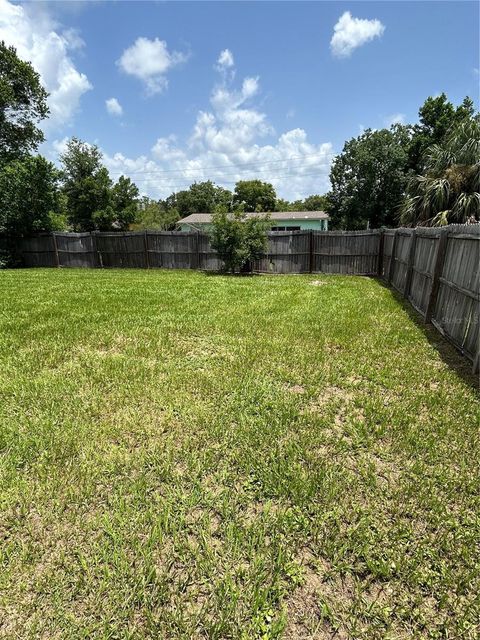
(113, 106)
(60, 146)
(396, 118)
(225, 59)
(42, 42)
(350, 33)
(230, 141)
(150, 61)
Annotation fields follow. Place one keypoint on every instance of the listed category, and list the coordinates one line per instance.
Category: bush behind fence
(436, 269)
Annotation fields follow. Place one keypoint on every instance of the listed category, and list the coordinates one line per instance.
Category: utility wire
(225, 166)
(188, 181)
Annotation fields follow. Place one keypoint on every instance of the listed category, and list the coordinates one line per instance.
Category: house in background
(281, 221)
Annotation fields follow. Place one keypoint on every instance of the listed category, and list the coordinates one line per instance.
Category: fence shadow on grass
(448, 353)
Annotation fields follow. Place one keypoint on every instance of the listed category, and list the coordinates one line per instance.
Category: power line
(225, 166)
(186, 183)
(310, 165)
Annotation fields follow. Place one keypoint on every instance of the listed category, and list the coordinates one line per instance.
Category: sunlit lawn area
(195, 456)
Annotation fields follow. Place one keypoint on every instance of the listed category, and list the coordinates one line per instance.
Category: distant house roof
(205, 218)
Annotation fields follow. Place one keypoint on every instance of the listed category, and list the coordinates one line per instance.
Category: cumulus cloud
(113, 106)
(225, 59)
(231, 140)
(42, 42)
(150, 61)
(350, 33)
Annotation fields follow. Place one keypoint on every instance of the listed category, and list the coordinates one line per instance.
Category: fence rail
(436, 270)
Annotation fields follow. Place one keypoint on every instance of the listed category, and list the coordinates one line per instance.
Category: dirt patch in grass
(295, 388)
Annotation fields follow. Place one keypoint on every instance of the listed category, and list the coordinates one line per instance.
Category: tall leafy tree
(255, 195)
(368, 179)
(200, 197)
(23, 104)
(315, 203)
(125, 202)
(436, 117)
(152, 214)
(87, 187)
(30, 199)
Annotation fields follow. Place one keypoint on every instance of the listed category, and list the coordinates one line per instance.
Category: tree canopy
(124, 202)
(409, 174)
(449, 189)
(200, 197)
(87, 187)
(254, 195)
(23, 104)
(368, 179)
(30, 199)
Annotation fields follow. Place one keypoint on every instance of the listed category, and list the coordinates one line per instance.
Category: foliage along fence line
(436, 269)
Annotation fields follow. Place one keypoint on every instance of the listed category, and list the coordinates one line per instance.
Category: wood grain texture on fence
(287, 252)
(388, 242)
(347, 252)
(76, 250)
(456, 312)
(440, 276)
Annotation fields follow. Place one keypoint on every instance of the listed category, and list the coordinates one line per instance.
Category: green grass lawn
(194, 456)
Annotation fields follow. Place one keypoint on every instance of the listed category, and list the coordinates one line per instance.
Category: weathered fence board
(288, 252)
(38, 251)
(348, 252)
(207, 256)
(440, 276)
(120, 250)
(76, 250)
(456, 312)
(400, 259)
(172, 250)
(426, 248)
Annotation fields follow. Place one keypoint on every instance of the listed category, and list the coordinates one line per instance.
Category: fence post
(381, 242)
(411, 260)
(437, 272)
(93, 235)
(145, 246)
(311, 251)
(476, 363)
(57, 260)
(197, 247)
(392, 257)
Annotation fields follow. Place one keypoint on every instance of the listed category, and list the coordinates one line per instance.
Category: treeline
(427, 173)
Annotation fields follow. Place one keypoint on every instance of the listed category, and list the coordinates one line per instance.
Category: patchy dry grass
(191, 456)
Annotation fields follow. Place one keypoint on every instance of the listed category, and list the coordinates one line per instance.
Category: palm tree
(449, 190)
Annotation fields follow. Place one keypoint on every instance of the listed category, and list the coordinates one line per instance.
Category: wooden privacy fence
(167, 249)
(352, 252)
(436, 270)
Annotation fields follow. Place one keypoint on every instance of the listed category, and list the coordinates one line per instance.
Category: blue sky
(228, 90)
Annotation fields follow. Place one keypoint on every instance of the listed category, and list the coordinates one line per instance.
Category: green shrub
(239, 239)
